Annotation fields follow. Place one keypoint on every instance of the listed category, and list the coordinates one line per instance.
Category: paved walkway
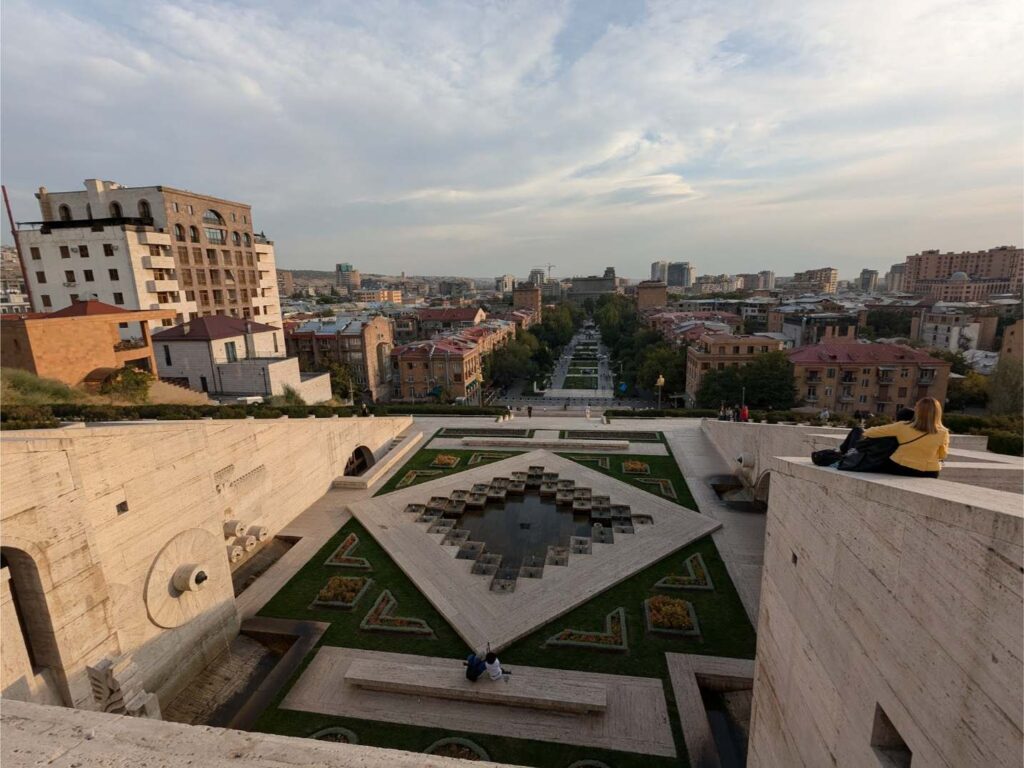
(636, 719)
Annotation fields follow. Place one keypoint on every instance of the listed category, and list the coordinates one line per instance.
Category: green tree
(720, 387)
(959, 362)
(343, 384)
(888, 323)
(128, 383)
(764, 382)
(662, 359)
(969, 392)
(1006, 388)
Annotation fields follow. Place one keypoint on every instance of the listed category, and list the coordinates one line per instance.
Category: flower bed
(636, 467)
(381, 619)
(445, 461)
(456, 746)
(671, 616)
(342, 592)
(695, 576)
(612, 639)
(612, 434)
(413, 475)
(342, 557)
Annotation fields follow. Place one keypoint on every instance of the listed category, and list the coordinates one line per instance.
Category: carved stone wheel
(188, 576)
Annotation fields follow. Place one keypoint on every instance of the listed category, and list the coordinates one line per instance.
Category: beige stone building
(149, 248)
(363, 342)
(877, 378)
(651, 294)
(527, 296)
(823, 280)
(715, 352)
(965, 276)
(1013, 342)
(445, 366)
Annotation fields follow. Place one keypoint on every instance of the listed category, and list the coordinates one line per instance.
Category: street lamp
(659, 384)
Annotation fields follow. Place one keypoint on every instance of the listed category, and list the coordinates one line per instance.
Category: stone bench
(527, 687)
(531, 444)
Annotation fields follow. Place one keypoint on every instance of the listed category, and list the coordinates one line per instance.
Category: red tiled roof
(444, 345)
(212, 327)
(84, 308)
(859, 353)
(448, 313)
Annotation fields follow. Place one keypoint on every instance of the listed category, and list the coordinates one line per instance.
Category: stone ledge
(35, 734)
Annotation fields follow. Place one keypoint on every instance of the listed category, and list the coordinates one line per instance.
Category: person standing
(744, 413)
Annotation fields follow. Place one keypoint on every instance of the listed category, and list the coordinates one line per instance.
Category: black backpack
(871, 454)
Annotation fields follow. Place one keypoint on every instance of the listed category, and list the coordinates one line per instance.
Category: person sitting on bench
(493, 666)
(475, 666)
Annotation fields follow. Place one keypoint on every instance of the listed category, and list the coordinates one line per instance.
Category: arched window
(212, 217)
(65, 213)
(248, 240)
(193, 234)
(144, 210)
(115, 210)
(236, 238)
(179, 233)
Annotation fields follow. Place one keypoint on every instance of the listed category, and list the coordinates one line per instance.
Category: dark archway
(360, 461)
(33, 614)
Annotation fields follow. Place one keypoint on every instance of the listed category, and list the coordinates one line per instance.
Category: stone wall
(91, 515)
(890, 623)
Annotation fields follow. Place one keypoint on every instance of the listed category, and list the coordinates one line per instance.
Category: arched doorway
(360, 461)
(32, 613)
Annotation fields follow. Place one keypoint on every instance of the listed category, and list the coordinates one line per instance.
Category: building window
(179, 232)
(88, 276)
(175, 206)
(235, 237)
(65, 252)
(115, 210)
(88, 211)
(231, 352)
(74, 297)
(46, 300)
(193, 233)
(69, 276)
(83, 251)
(64, 212)
(216, 236)
(212, 217)
(167, 354)
(40, 277)
(108, 249)
(35, 253)
(113, 274)
(144, 210)
(118, 298)
(247, 239)
(183, 254)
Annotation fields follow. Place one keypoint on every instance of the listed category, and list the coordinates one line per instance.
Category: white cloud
(436, 136)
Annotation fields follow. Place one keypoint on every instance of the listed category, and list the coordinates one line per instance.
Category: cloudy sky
(480, 138)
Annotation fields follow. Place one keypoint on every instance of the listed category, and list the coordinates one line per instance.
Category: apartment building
(894, 278)
(876, 378)
(431, 321)
(757, 281)
(715, 352)
(651, 294)
(804, 329)
(659, 271)
(868, 280)
(285, 283)
(347, 278)
(363, 342)
(965, 276)
(706, 284)
(680, 274)
(435, 368)
(1013, 342)
(955, 329)
(505, 283)
(150, 248)
(593, 287)
(823, 280)
(528, 296)
(377, 296)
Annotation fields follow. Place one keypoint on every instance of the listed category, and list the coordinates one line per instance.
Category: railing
(258, 358)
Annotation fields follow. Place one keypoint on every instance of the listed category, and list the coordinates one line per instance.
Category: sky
(483, 138)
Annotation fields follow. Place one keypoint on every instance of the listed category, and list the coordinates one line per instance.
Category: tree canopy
(764, 382)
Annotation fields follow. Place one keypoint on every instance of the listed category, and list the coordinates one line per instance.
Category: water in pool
(523, 526)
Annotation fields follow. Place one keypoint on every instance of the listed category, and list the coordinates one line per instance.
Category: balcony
(162, 286)
(152, 237)
(157, 262)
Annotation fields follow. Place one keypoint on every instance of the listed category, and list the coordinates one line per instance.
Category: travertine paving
(481, 616)
(636, 719)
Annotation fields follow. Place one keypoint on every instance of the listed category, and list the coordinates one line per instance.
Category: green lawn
(580, 382)
(660, 466)
(423, 458)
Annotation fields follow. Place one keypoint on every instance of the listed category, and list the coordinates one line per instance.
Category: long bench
(525, 688)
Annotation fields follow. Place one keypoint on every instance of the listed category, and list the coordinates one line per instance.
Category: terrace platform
(636, 718)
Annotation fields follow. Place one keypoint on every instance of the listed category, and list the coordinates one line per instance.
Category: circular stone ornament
(188, 576)
(459, 743)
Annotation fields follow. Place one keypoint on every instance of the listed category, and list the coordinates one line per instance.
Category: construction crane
(549, 267)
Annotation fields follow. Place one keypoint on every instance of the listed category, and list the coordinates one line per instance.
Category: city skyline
(484, 140)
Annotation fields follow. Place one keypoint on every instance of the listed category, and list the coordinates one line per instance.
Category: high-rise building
(894, 278)
(757, 281)
(150, 248)
(824, 280)
(868, 280)
(966, 276)
(505, 283)
(766, 280)
(680, 274)
(528, 296)
(593, 287)
(537, 276)
(285, 282)
(346, 278)
(659, 271)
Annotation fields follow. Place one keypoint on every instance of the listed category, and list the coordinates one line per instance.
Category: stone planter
(613, 638)
(340, 604)
(693, 630)
(695, 576)
(381, 618)
(342, 556)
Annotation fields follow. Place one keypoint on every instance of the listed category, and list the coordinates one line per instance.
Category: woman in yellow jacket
(924, 442)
